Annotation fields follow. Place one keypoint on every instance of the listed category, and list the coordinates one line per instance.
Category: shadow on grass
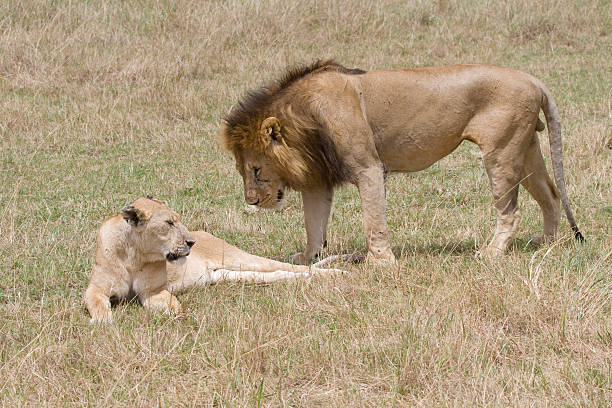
(469, 247)
(452, 248)
(460, 248)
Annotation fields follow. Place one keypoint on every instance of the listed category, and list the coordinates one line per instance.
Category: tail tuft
(578, 236)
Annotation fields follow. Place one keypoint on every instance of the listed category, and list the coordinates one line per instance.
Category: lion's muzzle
(251, 197)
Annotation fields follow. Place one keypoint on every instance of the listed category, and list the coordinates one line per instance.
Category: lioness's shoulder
(111, 225)
(111, 234)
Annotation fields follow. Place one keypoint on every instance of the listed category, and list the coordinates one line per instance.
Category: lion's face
(160, 230)
(263, 186)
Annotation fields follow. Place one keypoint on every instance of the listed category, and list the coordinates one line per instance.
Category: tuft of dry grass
(102, 103)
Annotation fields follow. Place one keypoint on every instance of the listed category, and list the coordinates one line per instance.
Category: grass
(102, 103)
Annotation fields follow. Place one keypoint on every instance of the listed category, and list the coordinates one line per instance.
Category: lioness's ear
(132, 215)
(271, 130)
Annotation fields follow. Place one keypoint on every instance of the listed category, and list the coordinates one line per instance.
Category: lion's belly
(409, 153)
(415, 121)
(416, 143)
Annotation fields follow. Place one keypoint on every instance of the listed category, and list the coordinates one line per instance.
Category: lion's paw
(542, 239)
(300, 259)
(386, 259)
(489, 253)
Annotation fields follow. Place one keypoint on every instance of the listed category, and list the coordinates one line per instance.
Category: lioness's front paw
(99, 308)
(175, 305)
(101, 316)
(162, 302)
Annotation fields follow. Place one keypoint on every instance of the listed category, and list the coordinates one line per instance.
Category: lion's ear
(132, 215)
(271, 131)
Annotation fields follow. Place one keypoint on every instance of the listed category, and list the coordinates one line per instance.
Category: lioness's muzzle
(173, 256)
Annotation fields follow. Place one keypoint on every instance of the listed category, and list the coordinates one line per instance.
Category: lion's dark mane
(258, 100)
(303, 132)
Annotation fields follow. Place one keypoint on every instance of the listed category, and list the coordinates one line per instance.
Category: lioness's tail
(554, 135)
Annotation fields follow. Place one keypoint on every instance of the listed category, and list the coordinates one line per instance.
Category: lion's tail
(554, 135)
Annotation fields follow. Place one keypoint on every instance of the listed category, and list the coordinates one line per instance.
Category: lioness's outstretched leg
(213, 260)
(371, 185)
(317, 205)
(240, 261)
(536, 181)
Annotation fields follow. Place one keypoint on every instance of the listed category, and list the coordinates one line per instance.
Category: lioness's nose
(190, 242)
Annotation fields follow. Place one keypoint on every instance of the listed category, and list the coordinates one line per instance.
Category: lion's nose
(190, 242)
(252, 200)
(251, 197)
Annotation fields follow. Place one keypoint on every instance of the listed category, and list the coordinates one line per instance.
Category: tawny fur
(132, 260)
(323, 125)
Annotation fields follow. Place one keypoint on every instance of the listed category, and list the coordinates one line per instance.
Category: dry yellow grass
(106, 101)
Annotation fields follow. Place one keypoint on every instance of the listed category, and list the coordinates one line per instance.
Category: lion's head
(159, 229)
(263, 184)
(279, 139)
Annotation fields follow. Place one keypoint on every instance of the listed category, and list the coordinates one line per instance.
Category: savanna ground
(102, 102)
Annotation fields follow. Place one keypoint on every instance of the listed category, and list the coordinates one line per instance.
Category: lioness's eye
(171, 223)
(256, 172)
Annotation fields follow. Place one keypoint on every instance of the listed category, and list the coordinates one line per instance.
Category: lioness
(143, 252)
(322, 125)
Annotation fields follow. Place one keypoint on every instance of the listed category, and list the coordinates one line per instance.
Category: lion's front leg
(371, 185)
(317, 205)
(162, 301)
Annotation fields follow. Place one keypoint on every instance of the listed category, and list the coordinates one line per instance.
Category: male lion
(143, 252)
(323, 124)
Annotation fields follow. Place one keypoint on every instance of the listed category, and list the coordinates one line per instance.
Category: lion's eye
(256, 171)
(170, 222)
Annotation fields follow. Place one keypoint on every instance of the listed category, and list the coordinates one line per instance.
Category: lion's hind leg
(504, 168)
(539, 185)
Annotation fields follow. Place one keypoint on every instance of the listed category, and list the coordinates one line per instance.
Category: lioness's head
(159, 229)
